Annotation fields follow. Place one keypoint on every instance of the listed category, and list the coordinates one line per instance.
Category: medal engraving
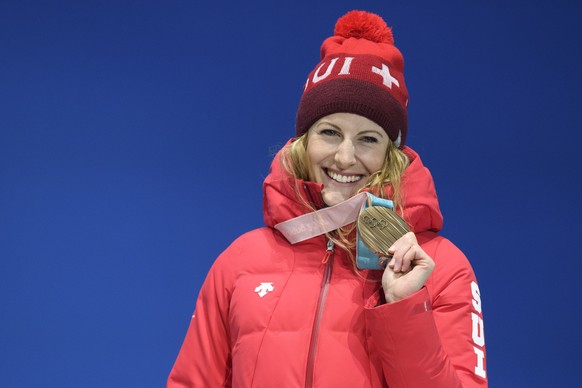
(380, 227)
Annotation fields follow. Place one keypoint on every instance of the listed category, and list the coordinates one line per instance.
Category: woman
(275, 312)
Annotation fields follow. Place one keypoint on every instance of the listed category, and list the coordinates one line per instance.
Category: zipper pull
(328, 251)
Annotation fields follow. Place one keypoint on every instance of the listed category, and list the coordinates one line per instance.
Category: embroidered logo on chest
(264, 288)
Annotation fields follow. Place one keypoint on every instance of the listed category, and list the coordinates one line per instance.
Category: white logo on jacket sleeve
(477, 331)
(263, 288)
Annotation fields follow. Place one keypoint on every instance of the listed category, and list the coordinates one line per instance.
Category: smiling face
(344, 149)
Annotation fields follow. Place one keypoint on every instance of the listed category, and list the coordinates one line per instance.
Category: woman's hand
(407, 270)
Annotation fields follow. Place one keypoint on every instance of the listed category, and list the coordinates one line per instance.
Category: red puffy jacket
(272, 314)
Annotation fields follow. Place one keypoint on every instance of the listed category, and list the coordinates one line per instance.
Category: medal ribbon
(325, 220)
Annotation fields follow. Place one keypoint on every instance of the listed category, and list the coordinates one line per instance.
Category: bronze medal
(380, 227)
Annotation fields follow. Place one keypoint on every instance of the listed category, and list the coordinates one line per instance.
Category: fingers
(408, 269)
(402, 259)
(404, 251)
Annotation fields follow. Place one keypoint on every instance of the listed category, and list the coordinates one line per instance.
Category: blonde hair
(384, 183)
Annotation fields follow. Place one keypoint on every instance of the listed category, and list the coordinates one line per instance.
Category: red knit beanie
(361, 72)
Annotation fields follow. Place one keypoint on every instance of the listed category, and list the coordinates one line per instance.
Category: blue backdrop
(135, 135)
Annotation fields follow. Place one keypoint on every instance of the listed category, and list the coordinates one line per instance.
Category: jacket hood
(285, 197)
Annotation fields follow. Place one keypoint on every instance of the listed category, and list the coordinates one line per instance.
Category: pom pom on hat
(364, 25)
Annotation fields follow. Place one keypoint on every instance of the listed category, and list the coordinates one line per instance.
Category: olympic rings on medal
(374, 222)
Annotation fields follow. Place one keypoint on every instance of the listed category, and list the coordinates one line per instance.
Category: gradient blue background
(135, 135)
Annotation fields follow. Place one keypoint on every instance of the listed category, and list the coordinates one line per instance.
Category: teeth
(343, 178)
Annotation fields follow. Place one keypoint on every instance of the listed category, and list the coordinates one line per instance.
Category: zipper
(328, 261)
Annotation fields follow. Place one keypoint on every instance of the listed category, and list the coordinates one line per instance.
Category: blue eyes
(329, 132)
(370, 139)
(333, 132)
